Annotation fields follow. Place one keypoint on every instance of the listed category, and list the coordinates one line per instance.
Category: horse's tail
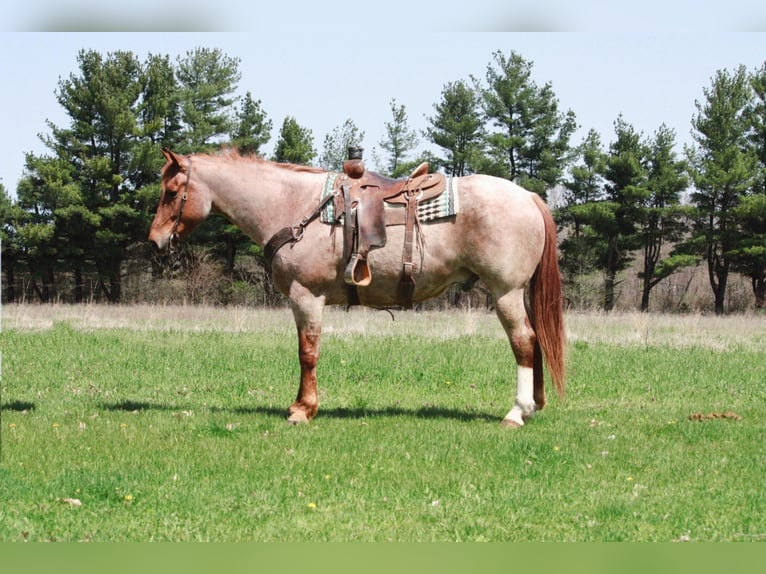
(546, 301)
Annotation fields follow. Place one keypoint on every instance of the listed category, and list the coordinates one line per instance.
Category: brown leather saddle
(368, 203)
(362, 199)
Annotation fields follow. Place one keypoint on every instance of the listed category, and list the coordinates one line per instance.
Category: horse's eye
(170, 194)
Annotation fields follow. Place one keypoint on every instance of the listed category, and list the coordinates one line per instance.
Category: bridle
(184, 196)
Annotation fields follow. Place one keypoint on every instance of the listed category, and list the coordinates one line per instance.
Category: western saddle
(361, 197)
(362, 200)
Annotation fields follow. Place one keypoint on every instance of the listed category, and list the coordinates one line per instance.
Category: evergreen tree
(457, 129)
(724, 168)
(159, 125)
(103, 102)
(662, 219)
(398, 142)
(607, 217)
(208, 78)
(530, 142)
(46, 187)
(295, 143)
(586, 186)
(749, 254)
(253, 128)
(626, 176)
(11, 218)
(336, 144)
(159, 111)
(757, 120)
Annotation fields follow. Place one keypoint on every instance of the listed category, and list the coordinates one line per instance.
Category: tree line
(76, 228)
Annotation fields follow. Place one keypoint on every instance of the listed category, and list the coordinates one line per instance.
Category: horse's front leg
(307, 311)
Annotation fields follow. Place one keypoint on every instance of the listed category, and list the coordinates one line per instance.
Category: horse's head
(183, 204)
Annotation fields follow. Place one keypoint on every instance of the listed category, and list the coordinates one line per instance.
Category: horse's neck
(260, 197)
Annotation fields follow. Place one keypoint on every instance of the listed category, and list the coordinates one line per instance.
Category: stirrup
(357, 271)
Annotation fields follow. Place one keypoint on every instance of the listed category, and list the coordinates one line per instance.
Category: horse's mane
(169, 170)
(234, 154)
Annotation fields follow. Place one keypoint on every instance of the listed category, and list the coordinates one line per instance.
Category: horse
(503, 235)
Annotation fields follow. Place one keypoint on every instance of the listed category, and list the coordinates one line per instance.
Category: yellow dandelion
(12, 426)
(312, 505)
(128, 498)
(556, 448)
(630, 479)
(56, 425)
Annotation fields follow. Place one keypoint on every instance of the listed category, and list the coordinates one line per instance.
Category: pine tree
(208, 78)
(46, 187)
(295, 144)
(607, 210)
(530, 142)
(586, 186)
(336, 144)
(724, 168)
(662, 219)
(253, 128)
(399, 141)
(11, 219)
(625, 176)
(749, 254)
(99, 147)
(457, 129)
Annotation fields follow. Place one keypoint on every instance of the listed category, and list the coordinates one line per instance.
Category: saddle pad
(440, 207)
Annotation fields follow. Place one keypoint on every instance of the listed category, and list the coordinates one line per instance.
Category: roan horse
(503, 235)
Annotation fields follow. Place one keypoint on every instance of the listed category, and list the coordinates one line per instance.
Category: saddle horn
(353, 167)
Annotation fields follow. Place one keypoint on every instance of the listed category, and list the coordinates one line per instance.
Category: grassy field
(167, 423)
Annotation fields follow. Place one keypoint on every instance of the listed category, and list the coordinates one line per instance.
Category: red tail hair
(546, 299)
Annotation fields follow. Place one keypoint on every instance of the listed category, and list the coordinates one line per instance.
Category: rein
(184, 196)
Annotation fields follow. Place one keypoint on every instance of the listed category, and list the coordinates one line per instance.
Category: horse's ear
(171, 156)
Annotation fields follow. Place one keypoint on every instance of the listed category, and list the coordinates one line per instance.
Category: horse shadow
(352, 413)
(17, 406)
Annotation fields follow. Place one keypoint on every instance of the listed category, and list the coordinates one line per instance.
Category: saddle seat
(392, 191)
(362, 199)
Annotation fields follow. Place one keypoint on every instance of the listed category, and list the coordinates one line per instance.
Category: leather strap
(349, 222)
(184, 197)
(291, 234)
(407, 278)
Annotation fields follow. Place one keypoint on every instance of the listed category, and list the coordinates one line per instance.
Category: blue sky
(648, 62)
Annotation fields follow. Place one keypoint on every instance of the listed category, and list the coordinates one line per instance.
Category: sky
(323, 63)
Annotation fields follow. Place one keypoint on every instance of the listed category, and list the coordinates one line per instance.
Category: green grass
(175, 433)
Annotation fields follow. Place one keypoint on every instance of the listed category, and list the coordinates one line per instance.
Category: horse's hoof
(510, 424)
(297, 418)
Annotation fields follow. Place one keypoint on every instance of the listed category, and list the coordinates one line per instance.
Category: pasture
(168, 424)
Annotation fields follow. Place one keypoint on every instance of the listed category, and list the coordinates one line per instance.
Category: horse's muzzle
(159, 243)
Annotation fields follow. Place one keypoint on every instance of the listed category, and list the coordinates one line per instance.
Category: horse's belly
(436, 266)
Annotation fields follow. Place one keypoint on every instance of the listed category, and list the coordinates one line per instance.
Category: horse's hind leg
(513, 316)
